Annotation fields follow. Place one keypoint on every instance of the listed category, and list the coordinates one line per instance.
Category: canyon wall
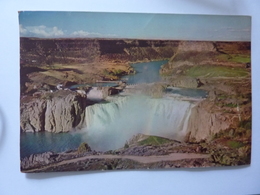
(193, 53)
(204, 122)
(65, 51)
(59, 113)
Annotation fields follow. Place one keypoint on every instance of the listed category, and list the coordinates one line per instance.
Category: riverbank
(140, 152)
(179, 157)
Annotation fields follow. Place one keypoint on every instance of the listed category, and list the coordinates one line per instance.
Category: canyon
(221, 118)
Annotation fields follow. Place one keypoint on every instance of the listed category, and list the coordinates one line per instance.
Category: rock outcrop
(189, 53)
(184, 82)
(84, 147)
(53, 112)
(199, 46)
(204, 122)
(38, 160)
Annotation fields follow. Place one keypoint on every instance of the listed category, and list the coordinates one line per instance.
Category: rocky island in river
(105, 104)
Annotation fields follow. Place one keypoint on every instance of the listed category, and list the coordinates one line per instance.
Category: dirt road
(140, 159)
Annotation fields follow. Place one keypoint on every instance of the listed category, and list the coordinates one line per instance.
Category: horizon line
(119, 38)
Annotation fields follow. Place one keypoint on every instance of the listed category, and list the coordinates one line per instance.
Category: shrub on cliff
(83, 147)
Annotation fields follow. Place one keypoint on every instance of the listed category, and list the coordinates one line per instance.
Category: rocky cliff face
(49, 51)
(190, 53)
(205, 121)
(193, 53)
(53, 112)
(199, 46)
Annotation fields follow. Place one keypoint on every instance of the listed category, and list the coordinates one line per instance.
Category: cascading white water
(100, 115)
(95, 94)
(169, 117)
(110, 125)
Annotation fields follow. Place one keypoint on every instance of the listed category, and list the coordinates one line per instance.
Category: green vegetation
(113, 74)
(117, 72)
(238, 155)
(240, 58)
(83, 147)
(109, 75)
(223, 97)
(230, 105)
(216, 71)
(154, 140)
(126, 145)
(247, 124)
(234, 144)
(243, 131)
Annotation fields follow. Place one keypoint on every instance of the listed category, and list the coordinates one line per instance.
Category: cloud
(230, 29)
(238, 30)
(50, 32)
(22, 30)
(82, 33)
(41, 31)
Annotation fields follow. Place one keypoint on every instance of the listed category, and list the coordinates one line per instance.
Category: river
(146, 72)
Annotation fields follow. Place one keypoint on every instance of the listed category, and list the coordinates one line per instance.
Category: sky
(44, 24)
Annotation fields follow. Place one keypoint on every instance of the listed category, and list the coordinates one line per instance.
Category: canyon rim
(116, 91)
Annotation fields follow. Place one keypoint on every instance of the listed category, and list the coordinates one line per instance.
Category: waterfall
(169, 117)
(109, 125)
(100, 115)
(95, 94)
